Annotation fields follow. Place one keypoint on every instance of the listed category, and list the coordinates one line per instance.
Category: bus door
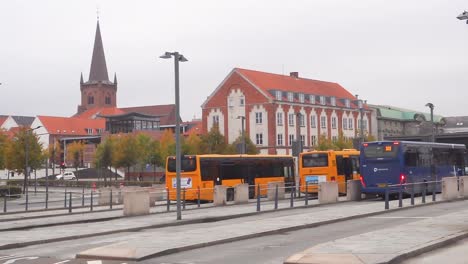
(355, 167)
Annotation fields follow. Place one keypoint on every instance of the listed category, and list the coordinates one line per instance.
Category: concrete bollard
(155, 194)
(136, 202)
(219, 195)
(353, 190)
(328, 192)
(272, 190)
(241, 193)
(463, 188)
(449, 188)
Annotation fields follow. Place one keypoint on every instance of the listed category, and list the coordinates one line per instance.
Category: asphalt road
(268, 249)
(456, 253)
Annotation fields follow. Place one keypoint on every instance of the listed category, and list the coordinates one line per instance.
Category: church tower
(98, 91)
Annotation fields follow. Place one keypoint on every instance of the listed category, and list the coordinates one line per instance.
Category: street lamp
(26, 154)
(431, 106)
(463, 16)
(242, 150)
(177, 57)
(361, 121)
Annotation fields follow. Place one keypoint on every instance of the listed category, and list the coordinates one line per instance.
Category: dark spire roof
(81, 79)
(98, 70)
(115, 78)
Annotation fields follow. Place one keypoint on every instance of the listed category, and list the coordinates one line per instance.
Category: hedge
(10, 190)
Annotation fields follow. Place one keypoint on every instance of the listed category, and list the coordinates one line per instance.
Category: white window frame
(333, 122)
(291, 139)
(301, 98)
(347, 103)
(258, 118)
(302, 120)
(313, 121)
(279, 119)
(303, 140)
(290, 97)
(279, 140)
(241, 101)
(312, 99)
(291, 118)
(333, 101)
(345, 123)
(350, 123)
(259, 138)
(215, 120)
(279, 95)
(323, 122)
(322, 100)
(313, 140)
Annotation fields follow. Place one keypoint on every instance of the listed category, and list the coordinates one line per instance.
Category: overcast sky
(395, 52)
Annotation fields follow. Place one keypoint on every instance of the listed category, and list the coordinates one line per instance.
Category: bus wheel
(230, 194)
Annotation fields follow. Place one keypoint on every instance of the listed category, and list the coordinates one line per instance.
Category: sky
(390, 52)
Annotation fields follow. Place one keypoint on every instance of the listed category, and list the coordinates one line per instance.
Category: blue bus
(385, 163)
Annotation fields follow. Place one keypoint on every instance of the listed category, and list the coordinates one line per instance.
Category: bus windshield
(381, 151)
(315, 160)
(187, 165)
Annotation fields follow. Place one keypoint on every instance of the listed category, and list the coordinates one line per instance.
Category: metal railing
(412, 189)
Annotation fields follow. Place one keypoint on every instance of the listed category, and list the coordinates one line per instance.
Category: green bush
(10, 190)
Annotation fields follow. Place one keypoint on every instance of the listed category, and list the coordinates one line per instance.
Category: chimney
(294, 74)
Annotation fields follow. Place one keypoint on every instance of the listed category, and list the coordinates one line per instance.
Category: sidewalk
(389, 245)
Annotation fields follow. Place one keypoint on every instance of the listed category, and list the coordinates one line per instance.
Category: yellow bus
(203, 172)
(330, 165)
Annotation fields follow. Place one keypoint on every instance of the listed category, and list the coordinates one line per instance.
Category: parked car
(68, 175)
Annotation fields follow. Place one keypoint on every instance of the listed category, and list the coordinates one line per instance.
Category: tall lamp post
(26, 155)
(177, 57)
(431, 106)
(242, 150)
(361, 121)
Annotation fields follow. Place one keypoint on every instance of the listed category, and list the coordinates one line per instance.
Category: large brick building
(273, 105)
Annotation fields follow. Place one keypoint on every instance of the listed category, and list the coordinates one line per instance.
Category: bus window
(411, 158)
(381, 151)
(355, 164)
(209, 170)
(340, 165)
(315, 160)
(188, 164)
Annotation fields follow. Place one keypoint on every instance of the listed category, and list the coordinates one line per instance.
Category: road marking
(94, 262)
(400, 217)
(65, 261)
(7, 257)
(11, 261)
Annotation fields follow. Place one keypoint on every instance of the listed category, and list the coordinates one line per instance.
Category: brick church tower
(98, 91)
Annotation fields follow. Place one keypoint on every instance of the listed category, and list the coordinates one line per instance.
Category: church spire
(98, 70)
(81, 79)
(115, 78)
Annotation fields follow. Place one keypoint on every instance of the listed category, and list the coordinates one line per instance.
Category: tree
(343, 142)
(126, 152)
(250, 147)
(16, 152)
(191, 145)
(144, 144)
(55, 154)
(324, 143)
(104, 155)
(154, 157)
(167, 144)
(213, 142)
(75, 151)
(4, 141)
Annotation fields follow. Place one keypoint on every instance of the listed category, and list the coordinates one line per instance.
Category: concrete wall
(104, 195)
(353, 190)
(241, 193)
(449, 188)
(272, 189)
(219, 195)
(136, 202)
(463, 191)
(328, 192)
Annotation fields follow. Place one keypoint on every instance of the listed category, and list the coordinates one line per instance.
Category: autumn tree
(55, 154)
(213, 142)
(4, 141)
(75, 150)
(250, 147)
(324, 143)
(104, 155)
(126, 151)
(191, 144)
(343, 142)
(167, 144)
(24, 141)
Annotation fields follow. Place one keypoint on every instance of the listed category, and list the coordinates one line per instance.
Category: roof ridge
(282, 75)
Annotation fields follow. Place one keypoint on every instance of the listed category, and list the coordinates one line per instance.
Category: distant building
(277, 108)
(8, 122)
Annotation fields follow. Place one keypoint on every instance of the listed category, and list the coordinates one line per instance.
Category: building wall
(9, 123)
(236, 108)
(99, 91)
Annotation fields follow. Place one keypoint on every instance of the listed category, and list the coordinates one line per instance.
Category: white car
(68, 175)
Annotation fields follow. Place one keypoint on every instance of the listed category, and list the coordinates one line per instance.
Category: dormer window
(108, 100)
(322, 100)
(290, 97)
(279, 95)
(89, 131)
(347, 103)
(301, 98)
(333, 101)
(312, 99)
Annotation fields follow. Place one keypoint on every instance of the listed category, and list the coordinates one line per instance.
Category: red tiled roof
(195, 126)
(71, 125)
(94, 112)
(166, 112)
(270, 81)
(2, 119)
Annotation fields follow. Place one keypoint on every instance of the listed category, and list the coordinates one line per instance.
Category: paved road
(269, 249)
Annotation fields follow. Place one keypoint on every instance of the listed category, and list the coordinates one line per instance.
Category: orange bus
(330, 165)
(203, 172)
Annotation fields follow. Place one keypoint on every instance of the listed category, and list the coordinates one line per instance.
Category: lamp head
(182, 58)
(463, 16)
(166, 55)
